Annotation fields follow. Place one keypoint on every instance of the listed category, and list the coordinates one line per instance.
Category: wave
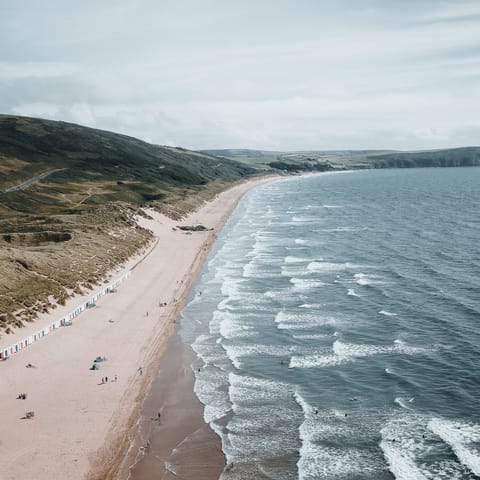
(463, 439)
(311, 305)
(364, 279)
(342, 229)
(303, 321)
(303, 219)
(300, 241)
(209, 389)
(387, 314)
(406, 444)
(351, 292)
(263, 420)
(342, 352)
(236, 352)
(248, 389)
(311, 336)
(291, 259)
(404, 402)
(318, 266)
(326, 461)
(258, 270)
(234, 325)
(306, 283)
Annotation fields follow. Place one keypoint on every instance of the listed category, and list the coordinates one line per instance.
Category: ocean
(336, 327)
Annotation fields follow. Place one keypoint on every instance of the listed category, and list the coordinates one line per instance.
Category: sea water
(337, 328)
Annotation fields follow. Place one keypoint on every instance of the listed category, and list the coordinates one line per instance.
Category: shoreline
(82, 426)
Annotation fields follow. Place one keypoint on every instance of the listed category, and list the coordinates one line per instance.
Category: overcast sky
(268, 74)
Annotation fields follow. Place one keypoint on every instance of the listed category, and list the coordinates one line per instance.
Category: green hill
(68, 197)
(104, 166)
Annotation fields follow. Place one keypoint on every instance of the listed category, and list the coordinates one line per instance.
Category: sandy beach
(81, 427)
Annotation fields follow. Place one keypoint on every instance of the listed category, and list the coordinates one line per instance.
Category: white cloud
(268, 74)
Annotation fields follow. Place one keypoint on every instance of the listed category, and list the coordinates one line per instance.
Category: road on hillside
(30, 181)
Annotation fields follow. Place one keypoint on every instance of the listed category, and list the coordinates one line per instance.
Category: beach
(85, 420)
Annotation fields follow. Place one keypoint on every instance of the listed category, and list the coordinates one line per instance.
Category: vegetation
(353, 159)
(60, 234)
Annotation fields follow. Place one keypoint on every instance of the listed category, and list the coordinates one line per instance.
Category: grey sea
(336, 326)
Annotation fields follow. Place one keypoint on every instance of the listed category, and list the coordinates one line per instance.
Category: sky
(264, 74)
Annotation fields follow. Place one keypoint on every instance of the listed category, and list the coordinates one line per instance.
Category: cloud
(270, 74)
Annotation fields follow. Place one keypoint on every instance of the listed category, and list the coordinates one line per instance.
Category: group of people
(105, 379)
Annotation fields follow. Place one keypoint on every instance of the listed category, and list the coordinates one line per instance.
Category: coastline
(82, 426)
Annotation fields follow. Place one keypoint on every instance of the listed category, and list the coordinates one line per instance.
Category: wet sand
(181, 444)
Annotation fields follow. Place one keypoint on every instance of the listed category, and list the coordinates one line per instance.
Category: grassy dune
(61, 234)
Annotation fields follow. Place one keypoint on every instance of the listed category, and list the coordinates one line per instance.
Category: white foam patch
(231, 286)
(306, 283)
(256, 270)
(311, 336)
(463, 439)
(263, 420)
(206, 348)
(303, 219)
(364, 279)
(208, 389)
(328, 462)
(236, 352)
(400, 451)
(387, 313)
(399, 346)
(294, 321)
(351, 292)
(404, 402)
(326, 267)
(406, 445)
(246, 389)
(294, 270)
(233, 326)
(341, 229)
(311, 305)
(347, 350)
(300, 241)
(321, 461)
(292, 259)
(342, 352)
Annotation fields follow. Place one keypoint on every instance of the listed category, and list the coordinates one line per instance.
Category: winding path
(30, 181)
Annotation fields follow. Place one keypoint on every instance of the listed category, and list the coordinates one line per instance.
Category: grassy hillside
(59, 234)
(110, 167)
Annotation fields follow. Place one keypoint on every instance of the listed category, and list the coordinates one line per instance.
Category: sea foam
(463, 438)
